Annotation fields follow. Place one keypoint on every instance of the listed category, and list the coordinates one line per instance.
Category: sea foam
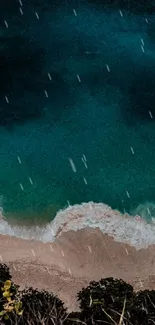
(123, 227)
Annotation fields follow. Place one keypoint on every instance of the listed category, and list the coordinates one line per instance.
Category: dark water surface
(76, 78)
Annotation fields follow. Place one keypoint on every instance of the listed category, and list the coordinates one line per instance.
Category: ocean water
(77, 107)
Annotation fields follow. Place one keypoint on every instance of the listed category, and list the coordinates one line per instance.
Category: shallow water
(78, 81)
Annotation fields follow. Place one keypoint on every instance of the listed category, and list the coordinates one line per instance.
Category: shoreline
(123, 227)
(61, 268)
(83, 243)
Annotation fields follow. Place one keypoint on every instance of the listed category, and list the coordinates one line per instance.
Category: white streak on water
(37, 15)
(49, 76)
(72, 165)
(148, 210)
(21, 186)
(107, 66)
(84, 160)
(121, 13)
(7, 100)
(21, 11)
(142, 41)
(128, 195)
(46, 94)
(31, 182)
(85, 181)
(150, 114)
(19, 160)
(84, 157)
(6, 24)
(132, 150)
(75, 13)
(142, 49)
(78, 78)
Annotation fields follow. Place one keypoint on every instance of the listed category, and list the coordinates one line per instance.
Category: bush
(108, 301)
(143, 308)
(4, 273)
(74, 318)
(105, 300)
(9, 301)
(41, 308)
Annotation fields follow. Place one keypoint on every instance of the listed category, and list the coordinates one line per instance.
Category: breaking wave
(124, 228)
(145, 210)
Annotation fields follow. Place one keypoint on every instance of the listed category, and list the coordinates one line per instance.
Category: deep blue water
(76, 78)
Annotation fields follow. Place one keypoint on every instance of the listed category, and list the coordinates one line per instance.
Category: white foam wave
(145, 210)
(123, 228)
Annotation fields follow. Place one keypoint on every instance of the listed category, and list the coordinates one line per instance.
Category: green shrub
(10, 301)
(74, 318)
(108, 301)
(4, 273)
(104, 301)
(143, 308)
(42, 308)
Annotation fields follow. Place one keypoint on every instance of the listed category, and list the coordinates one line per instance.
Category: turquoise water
(98, 101)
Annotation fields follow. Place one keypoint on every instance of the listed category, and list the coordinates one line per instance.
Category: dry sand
(73, 260)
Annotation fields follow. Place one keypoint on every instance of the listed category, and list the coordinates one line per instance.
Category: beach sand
(73, 260)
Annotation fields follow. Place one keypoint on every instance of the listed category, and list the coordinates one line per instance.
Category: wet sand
(73, 260)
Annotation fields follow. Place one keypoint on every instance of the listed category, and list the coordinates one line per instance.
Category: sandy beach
(73, 260)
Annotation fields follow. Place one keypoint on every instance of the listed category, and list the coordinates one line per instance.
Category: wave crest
(124, 228)
(145, 210)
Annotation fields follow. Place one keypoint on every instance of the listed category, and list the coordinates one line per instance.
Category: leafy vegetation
(9, 304)
(108, 301)
(104, 300)
(4, 273)
(9, 300)
(47, 308)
